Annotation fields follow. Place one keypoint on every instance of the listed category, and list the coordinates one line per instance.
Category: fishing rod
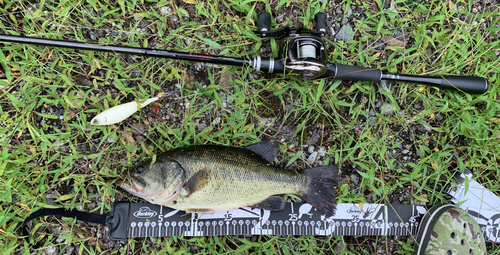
(302, 54)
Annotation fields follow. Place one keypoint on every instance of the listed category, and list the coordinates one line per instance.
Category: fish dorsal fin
(198, 181)
(265, 149)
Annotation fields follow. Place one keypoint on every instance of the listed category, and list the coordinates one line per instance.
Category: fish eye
(140, 169)
(95, 121)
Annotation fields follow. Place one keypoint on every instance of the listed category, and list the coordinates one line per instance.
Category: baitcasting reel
(302, 50)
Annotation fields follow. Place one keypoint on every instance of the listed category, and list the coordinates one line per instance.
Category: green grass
(42, 150)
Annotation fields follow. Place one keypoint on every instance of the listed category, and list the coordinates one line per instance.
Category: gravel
(388, 109)
(345, 33)
(312, 158)
(165, 10)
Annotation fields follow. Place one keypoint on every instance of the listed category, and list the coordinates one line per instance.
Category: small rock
(372, 113)
(280, 17)
(314, 139)
(201, 127)
(198, 67)
(69, 249)
(402, 113)
(354, 178)
(345, 33)
(60, 238)
(386, 86)
(51, 250)
(165, 10)
(53, 195)
(312, 157)
(399, 146)
(322, 152)
(339, 247)
(386, 4)
(216, 121)
(427, 127)
(110, 140)
(265, 121)
(387, 109)
(311, 149)
(424, 127)
(332, 30)
(379, 104)
(364, 100)
(405, 151)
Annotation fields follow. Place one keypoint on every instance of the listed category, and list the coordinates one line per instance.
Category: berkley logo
(354, 210)
(145, 212)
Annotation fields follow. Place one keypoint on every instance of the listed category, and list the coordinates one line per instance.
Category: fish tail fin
(319, 190)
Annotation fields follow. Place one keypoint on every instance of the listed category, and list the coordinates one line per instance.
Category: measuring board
(148, 220)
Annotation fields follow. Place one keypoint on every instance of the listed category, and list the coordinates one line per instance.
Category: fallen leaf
(130, 138)
(92, 241)
(434, 165)
(224, 80)
(53, 195)
(392, 41)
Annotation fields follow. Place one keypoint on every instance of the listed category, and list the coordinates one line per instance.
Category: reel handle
(264, 23)
(321, 24)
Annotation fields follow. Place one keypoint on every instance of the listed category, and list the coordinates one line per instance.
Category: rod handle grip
(469, 84)
(355, 73)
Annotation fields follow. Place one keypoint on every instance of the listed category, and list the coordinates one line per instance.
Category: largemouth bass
(210, 178)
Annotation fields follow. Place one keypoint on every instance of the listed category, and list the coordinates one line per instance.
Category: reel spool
(302, 50)
(304, 55)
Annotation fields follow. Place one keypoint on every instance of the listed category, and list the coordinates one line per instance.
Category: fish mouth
(133, 184)
(138, 183)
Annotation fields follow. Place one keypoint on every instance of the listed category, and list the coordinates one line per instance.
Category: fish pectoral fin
(272, 203)
(265, 149)
(200, 210)
(198, 181)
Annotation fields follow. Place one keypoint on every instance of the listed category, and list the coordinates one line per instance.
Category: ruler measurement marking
(366, 221)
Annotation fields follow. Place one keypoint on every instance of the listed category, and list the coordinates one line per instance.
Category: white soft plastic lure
(120, 112)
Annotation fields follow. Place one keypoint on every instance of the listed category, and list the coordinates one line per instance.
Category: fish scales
(238, 178)
(213, 178)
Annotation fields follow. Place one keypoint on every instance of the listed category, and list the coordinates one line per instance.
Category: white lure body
(120, 112)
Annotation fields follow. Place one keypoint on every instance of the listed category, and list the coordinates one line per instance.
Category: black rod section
(127, 50)
(469, 84)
